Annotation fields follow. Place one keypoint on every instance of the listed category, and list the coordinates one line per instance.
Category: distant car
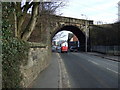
(53, 48)
(58, 49)
(73, 49)
(64, 47)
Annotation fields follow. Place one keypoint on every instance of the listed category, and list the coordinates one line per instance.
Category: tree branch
(27, 32)
(21, 18)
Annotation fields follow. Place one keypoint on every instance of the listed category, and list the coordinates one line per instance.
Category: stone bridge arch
(76, 26)
(76, 31)
(58, 23)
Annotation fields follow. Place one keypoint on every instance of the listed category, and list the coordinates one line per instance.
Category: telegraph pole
(86, 37)
(86, 30)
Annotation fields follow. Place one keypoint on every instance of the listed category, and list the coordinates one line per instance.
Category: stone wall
(111, 50)
(37, 62)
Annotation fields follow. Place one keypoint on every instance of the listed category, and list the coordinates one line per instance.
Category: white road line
(112, 70)
(94, 62)
(91, 58)
(106, 68)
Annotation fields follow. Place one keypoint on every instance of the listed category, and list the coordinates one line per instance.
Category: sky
(97, 10)
(64, 35)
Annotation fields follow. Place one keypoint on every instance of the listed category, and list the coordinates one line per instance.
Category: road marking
(106, 68)
(94, 62)
(112, 70)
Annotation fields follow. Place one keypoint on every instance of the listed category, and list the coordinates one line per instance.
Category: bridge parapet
(52, 24)
(61, 21)
(72, 20)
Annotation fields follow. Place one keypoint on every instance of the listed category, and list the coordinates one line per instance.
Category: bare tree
(50, 8)
(21, 11)
(47, 12)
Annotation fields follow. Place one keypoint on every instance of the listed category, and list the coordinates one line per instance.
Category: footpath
(54, 76)
(109, 57)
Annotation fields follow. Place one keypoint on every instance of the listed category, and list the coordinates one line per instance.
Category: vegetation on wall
(14, 52)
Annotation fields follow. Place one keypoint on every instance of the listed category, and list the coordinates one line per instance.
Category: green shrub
(14, 52)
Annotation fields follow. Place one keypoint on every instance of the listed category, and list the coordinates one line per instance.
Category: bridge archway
(76, 31)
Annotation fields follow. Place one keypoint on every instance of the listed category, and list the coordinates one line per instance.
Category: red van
(64, 47)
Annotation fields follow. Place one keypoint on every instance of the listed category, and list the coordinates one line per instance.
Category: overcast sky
(65, 34)
(97, 10)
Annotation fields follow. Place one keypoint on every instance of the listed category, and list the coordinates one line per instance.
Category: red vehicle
(64, 47)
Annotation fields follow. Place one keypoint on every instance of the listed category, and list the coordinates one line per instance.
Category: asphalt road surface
(87, 71)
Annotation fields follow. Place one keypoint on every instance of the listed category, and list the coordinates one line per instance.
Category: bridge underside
(75, 30)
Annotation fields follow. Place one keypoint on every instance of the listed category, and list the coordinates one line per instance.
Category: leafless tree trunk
(20, 13)
(15, 20)
(30, 27)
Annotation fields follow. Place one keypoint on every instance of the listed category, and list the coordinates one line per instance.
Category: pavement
(109, 57)
(55, 76)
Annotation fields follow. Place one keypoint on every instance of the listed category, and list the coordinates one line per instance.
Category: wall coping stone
(37, 45)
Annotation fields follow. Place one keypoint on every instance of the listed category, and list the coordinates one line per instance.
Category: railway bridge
(48, 26)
